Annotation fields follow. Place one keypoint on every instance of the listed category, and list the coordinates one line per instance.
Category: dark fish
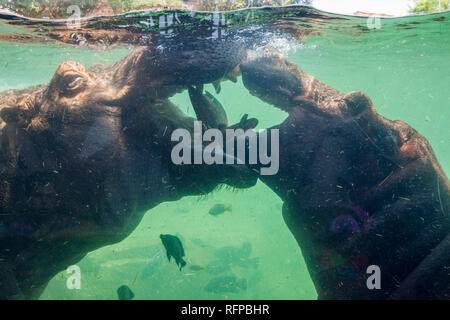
(219, 208)
(245, 123)
(226, 284)
(125, 293)
(195, 268)
(174, 248)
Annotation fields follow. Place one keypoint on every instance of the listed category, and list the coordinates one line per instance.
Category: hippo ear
(357, 102)
(21, 111)
(361, 108)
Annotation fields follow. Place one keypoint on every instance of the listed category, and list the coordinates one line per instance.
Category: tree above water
(58, 8)
(429, 6)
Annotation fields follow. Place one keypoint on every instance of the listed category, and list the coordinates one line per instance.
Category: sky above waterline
(392, 7)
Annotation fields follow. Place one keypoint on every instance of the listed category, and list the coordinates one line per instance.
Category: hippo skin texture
(83, 158)
(358, 189)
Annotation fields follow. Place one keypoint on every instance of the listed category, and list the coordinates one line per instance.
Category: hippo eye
(72, 82)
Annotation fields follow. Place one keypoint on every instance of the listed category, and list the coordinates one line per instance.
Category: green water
(406, 73)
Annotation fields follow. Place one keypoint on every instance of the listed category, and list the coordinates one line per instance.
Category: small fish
(245, 123)
(153, 265)
(219, 208)
(195, 268)
(174, 248)
(125, 293)
(226, 284)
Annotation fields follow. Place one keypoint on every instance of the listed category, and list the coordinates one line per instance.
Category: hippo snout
(271, 83)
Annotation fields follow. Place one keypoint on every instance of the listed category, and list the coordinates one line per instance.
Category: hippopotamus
(362, 194)
(86, 155)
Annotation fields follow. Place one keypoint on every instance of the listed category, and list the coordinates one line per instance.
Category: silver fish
(153, 265)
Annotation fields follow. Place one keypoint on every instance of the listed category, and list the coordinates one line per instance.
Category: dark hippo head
(359, 190)
(196, 61)
(84, 157)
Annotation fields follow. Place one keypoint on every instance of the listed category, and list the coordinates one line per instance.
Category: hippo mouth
(270, 82)
(197, 61)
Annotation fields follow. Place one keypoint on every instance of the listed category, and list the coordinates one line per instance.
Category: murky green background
(405, 71)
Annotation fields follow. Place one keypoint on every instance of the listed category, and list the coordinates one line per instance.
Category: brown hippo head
(84, 157)
(359, 190)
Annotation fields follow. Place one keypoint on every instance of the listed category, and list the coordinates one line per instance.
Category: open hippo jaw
(82, 159)
(123, 97)
(279, 82)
